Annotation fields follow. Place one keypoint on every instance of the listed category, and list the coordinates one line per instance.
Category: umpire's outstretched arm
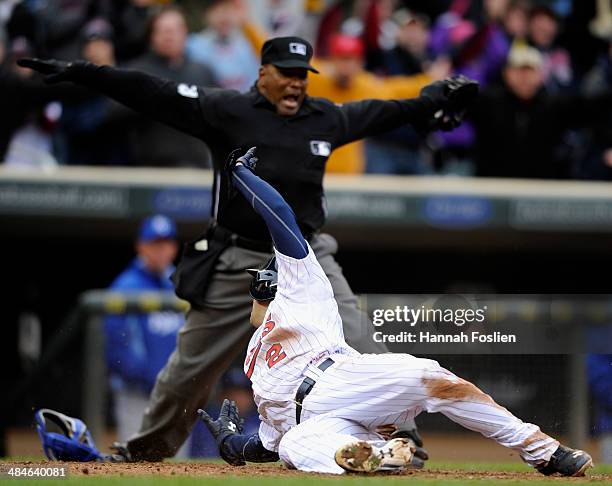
(441, 104)
(175, 104)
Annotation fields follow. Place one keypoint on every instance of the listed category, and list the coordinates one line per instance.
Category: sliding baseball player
(322, 404)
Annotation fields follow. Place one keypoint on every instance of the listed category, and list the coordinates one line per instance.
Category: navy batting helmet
(263, 285)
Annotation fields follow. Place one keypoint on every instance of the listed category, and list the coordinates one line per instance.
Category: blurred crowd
(545, 67)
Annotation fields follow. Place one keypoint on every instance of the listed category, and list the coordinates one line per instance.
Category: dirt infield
(269, 470)
(459, 447)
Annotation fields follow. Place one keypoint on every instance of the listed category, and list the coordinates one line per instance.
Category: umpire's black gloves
(450, 98)
(54, 71)
(228, 423)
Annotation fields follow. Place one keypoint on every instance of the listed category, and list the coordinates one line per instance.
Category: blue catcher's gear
(73, 443)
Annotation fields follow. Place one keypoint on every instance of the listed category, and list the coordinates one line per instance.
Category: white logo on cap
(161, 225)
(318, 147)
(298, 48)
(187, 91)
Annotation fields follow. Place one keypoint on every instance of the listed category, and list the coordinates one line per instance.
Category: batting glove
(249, 160)
(227, 424)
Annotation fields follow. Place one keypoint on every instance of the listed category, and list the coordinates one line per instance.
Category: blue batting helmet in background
(73, 442)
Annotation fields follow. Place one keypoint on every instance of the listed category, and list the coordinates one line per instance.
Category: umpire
(295, 134)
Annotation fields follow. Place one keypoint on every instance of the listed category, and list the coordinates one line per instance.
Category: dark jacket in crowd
(152, 143)
(23, 98)
(92, 131)
(17, 98)
(292, 151)
(130, 23)
(59, 22)
(519, 139)
(596, 82)
(400, 62)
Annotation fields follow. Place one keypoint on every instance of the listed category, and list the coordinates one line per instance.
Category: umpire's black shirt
(292, 150)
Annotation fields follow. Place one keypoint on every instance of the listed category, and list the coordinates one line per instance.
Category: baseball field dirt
(457, 468)
(215, 473)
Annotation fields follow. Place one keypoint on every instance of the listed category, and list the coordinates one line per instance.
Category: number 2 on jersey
(273, 355)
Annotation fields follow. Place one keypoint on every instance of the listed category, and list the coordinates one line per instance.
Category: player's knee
(420, 369)
(444, 385)
(288, 448)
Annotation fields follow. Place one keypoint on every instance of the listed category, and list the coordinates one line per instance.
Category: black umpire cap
(288, 52)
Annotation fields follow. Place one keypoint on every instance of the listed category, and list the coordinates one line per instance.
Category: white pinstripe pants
(357, 394)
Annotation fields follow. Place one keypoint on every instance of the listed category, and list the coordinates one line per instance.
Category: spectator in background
(90, 135)
(138, 345)
(343, 78)
(599, 368)
(224, 47)
(379, 30)
(430, 8)
(2, 45)
(478, 47)
(402, 151)
(519, 126)
(278, 17)
(556, 62)
(152, 143)
(57, 24)
(6, 11)
(410, 53)
(29, 115)
(598, 160)
(19, 94)
(516, 20)
(130, 21)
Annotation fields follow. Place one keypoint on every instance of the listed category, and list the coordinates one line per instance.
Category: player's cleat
(408, 430)
(367, 456)
(121, 453)
(567, 462)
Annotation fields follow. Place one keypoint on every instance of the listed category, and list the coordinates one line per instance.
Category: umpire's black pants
(212, 338)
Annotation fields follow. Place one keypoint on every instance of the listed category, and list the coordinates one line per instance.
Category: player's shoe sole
(367, 457)
(582, 471)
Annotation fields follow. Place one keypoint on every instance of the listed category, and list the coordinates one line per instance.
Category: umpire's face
(285, 88)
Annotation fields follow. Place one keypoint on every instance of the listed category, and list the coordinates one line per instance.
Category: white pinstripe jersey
(302, 325)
